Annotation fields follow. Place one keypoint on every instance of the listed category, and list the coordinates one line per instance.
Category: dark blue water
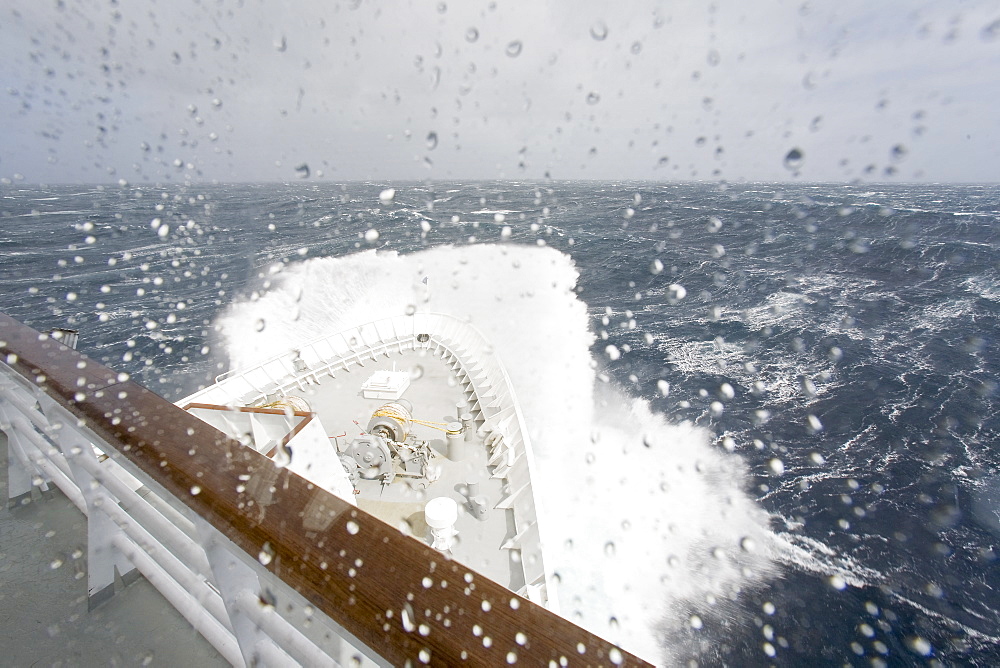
(840, 339)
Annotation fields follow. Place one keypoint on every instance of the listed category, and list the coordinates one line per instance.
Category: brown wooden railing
(405, 601)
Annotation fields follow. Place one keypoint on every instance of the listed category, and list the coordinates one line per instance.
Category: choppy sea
(809, 371)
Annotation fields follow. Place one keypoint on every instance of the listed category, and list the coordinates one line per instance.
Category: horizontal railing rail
(255, 557)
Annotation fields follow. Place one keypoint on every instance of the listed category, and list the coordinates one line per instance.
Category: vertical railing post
(104, 558)
(233, 578)
(20, 472)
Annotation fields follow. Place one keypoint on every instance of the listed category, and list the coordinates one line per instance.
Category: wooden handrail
(404, 600)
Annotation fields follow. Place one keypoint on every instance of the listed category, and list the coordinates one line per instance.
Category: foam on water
(643, 520)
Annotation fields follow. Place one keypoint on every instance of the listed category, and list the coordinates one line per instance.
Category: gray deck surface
(434, 395)
(43, 597)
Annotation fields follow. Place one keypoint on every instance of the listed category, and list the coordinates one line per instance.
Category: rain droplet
(593, 98)
(663, 386)
(514, 48)
(266, 555)
(371, 236)
(409, 625)
(260, 324)
(713, 58)
(195, 490)
(837, 582)
(612, 352)
(815, 426)
(777, 466)
(636, 47)
(471, 35)
(609, 548)
(599, 31)
(919, 645)
(432, 140)
(695, 622)
(898, 152)
(675, 293)
(505, 232)
(991, 31)
(387, 195)
(353, 528)
(793, 159)
(303, 171)
(656, 267)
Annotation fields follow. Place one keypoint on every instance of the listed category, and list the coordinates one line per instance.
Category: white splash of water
(641, 517)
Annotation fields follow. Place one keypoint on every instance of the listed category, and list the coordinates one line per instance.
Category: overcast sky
(151, 91)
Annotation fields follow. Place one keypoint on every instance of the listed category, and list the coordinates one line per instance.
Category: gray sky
(142, 90)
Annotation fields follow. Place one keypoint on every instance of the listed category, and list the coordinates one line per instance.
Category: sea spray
(640, 518)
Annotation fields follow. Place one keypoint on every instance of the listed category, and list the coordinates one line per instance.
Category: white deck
(435, 393)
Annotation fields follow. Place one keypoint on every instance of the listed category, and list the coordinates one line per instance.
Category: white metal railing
(130, 526)
(494, 406)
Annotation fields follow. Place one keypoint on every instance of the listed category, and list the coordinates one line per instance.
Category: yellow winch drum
(392, 421)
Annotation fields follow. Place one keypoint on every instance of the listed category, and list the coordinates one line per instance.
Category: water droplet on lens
(599, 31)
(898, 152)
(514, 48)
(471, 35)
(656, 267)
(713, 58)
(991, 31)
(353, 528)
(387, 195)
(675, 293)
(259, 326)
(636, 47)
(593, 98)
(432, 140)
(266, 555)
(695, 622)
(371, 236)
(793, 159)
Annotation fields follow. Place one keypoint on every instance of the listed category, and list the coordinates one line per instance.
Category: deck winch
(388, 448)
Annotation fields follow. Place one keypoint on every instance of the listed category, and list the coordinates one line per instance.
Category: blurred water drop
(303, 171)
(793, 159)
(260, 324)
(593, 98)
(663, 386)
(505, 232)
(991, 31)
(599, 31)
(713, 58)
(695, 622)
(387, 195)
(266, 554)
(432, 140)
(609, 548)
(471, 35)
(777, 466)
(815, 426)
(675, 293)
(612, 352)
(371, 236)
(656, 267)
(514, 48)
(352, 527)
(898, 152)
(636, 48)
(281, 44)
